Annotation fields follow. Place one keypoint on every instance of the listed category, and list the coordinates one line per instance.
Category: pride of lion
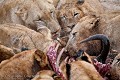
(59, 40)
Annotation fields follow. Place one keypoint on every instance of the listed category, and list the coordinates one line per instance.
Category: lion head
(68, 16)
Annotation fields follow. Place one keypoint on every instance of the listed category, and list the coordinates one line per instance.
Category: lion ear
(22, 12)
(41, 58)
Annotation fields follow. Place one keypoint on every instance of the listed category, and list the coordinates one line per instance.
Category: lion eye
(74, 33)
(118, 60)
(51, 12)
(64, 17)
(75, 14)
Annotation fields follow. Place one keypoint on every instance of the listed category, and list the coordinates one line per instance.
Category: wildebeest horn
(105, 45)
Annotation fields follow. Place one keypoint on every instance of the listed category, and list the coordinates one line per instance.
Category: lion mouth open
(55, 36)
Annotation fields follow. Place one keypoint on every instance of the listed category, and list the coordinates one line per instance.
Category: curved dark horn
(104, 48)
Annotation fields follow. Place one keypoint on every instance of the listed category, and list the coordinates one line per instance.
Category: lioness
(87, 26)
(27, 12)
(90, 25)
(19, 36)
(23, 66)
(79, 70)
(68, 15)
